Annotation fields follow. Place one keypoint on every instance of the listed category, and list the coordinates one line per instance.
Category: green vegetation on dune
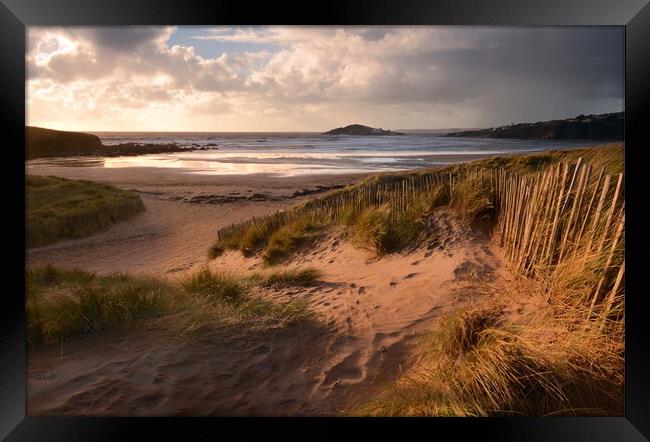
(561, 225)
(65, 303)
(386, 212)
(566, 356)
(62, 304)
(381, 231)
(59, 208)
(480, 363)
(283, 242)
(611, 157)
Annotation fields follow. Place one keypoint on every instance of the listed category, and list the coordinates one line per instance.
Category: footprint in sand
(426, 255)
(353, 285)
(362, 290)
(414, 263)
(331, 261)
(410, 275)
(393, 283)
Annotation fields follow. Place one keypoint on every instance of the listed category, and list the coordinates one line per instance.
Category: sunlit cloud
(313, 78)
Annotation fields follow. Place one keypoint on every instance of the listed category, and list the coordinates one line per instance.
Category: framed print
(372, 218)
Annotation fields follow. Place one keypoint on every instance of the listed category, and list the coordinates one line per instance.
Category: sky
(289, 78)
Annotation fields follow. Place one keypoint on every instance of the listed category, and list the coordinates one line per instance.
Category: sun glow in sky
(288, 78)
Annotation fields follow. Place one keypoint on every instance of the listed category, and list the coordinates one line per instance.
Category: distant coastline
(595, 127)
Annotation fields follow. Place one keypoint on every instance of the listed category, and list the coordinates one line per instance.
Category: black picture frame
(15, 15)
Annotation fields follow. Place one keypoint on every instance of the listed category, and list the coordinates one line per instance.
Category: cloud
(397, 77)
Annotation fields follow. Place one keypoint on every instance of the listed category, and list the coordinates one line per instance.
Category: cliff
(587, 127)
(46, 143)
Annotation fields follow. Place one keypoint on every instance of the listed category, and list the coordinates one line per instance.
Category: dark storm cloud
(576, 62)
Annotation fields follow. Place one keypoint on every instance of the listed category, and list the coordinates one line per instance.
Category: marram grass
(62, 304)
(59, 208)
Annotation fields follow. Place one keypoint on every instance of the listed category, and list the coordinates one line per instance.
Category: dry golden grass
(483, 362)
(59, 208)
(63, 304)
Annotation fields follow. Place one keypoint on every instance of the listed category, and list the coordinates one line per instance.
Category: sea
(291, 154)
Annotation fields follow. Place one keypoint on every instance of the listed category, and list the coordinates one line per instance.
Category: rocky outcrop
(46, 143)
(359, 129)
(583, 127)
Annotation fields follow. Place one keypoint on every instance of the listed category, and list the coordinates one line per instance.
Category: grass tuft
(213, 285)
(62, 304)
(59, 208)
(479, 363)
(287, 240)
(473, 198)
(382, 231)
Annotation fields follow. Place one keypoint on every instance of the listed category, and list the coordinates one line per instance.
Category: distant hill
(437, 131)
(45, 143)
(586, 127)
(359, 129)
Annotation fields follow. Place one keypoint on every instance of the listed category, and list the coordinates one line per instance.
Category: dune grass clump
(65, 303)
(249, 241)
(382, 231)
(473, 197)
(62, 304)
(373, 230)
(219, 303)
(246, 315)
(213, 285)
(285, 241)
(477, 364)
(59, 208)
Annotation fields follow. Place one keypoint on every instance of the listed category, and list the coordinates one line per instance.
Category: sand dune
(369, 311)
(183, 213)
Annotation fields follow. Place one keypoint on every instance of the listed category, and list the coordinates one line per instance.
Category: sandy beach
(368, 313)
(183, 213)
(325, 221)
(368, 310)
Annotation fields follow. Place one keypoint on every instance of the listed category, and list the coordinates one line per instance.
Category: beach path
(368, 314)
